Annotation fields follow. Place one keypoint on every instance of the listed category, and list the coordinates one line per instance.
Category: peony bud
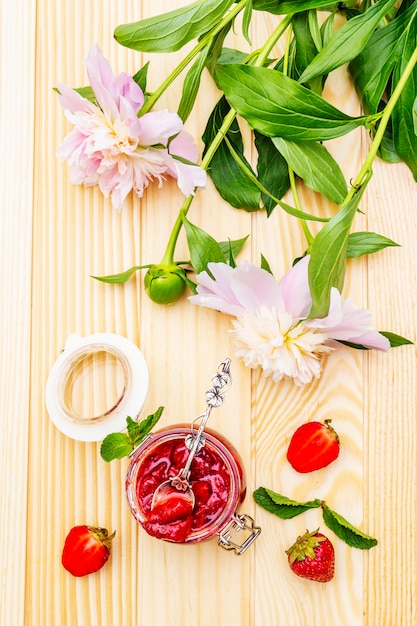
(165, 284)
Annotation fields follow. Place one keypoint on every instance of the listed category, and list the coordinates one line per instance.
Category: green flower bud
(165, 284)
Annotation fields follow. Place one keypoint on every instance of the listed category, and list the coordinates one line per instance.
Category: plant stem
(293, 185)
(204, 41)
(297, 205)
(211, 150)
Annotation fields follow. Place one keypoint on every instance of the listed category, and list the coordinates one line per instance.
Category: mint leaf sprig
(285, 508)
(119, 445)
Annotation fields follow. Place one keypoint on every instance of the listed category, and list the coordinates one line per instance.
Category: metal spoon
(178, 486)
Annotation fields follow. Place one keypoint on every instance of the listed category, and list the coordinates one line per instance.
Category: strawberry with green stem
(312, 557)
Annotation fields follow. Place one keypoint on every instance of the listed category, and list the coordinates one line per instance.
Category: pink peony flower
(115, 149)
(270, 319)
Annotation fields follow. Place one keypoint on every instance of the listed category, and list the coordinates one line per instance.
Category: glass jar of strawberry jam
(216, 478)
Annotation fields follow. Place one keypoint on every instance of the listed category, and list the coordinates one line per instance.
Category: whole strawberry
(86, 549)
(313, 446)
(312, 557)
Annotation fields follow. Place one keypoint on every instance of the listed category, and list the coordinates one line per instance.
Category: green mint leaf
(280, 505)
(345, 531)
(395, 340)
(172, 30)
(119, 445)
(115, 446)
(361, 243)
(137, 431)
(122, 277)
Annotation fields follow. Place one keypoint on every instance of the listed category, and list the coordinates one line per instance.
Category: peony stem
(261, 57)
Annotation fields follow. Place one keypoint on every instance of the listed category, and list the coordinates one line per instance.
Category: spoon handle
(214, 398)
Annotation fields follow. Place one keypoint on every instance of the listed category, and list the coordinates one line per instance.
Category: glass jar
(217, 479)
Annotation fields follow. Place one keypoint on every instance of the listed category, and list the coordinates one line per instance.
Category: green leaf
(315, 165)
(172, 30)
(233, 246)
(137, 431)
(361, 243)
(247, 15)
(405, 139)
(348, 41)
(277, 106)
(119, 445)
(307, 43)
(396, 340)
(265, 265)
(141, 77)
(285, 7)
(371, 70)
(327, 265)
(115, 446)
(231, 182)
(122, 277)
(272, 171)
(191, 84)
(87, 93)
(345, 531)
(280, 505)
(203, 247)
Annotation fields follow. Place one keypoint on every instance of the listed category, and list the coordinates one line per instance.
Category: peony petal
(183, 145)
(254, 287)
(216, 293)
(124, 85)
(72, 101)
(158, 126)
(189, 176)
(295, 289)
(101, 77)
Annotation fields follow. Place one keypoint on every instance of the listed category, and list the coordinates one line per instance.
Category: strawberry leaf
(345, 531)
(280, 505)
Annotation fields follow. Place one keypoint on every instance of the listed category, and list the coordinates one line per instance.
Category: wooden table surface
(54, 236)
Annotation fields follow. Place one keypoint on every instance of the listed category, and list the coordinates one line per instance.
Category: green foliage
(119, 445)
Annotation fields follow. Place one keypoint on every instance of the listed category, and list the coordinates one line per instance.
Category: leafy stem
(261, 57)
(204, 41)
(362, 176)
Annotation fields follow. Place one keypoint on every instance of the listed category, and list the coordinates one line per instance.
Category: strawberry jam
(216, 478)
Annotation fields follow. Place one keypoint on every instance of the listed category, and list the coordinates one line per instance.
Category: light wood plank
(16, 182)
(57, 483)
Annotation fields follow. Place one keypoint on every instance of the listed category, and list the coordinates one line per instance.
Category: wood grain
(55, 236)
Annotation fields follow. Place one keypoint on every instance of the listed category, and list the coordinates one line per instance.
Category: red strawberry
(173, 507)
(312, 557)
(86, 549)
(313, 445)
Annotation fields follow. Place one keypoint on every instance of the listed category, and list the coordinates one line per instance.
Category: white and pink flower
(270, 322)
(115, 149)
